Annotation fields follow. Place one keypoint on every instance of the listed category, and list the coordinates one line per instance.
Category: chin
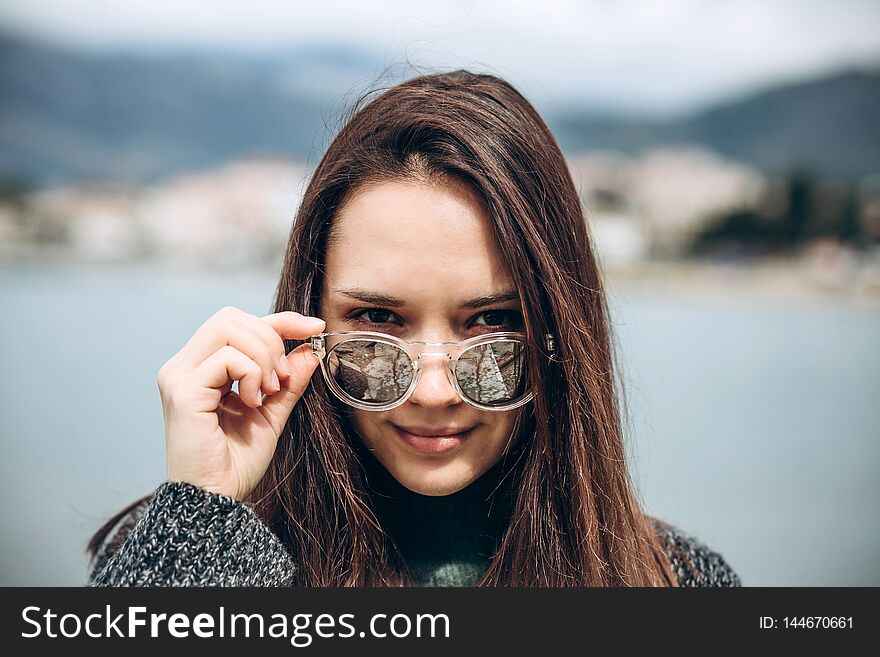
(433, 480)
(430, 473)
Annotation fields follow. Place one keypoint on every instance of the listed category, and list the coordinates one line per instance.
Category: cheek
(496, 430)
(370, 427)
(498, 427)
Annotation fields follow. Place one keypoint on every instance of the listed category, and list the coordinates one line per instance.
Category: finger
(277, 407)
(293, 326)
(215, 333)
(256, 343)
(229, 364)
(270, 336)
(225, 388)
(232, 403)
(233, 331)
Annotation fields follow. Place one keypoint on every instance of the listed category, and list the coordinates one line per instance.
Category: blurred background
(152, 157)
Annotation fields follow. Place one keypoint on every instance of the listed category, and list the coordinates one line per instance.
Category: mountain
(70, 115)
(828, 125)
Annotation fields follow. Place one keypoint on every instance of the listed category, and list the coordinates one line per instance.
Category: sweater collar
(450, 533)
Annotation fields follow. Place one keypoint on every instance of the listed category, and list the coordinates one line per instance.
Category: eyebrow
(367, 296)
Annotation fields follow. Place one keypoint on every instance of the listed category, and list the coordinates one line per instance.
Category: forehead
(414, 240)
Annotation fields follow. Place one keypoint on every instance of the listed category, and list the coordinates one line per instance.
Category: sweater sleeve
(694, 564)
(186, 536)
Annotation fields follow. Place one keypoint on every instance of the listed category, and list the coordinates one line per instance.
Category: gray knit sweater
(186, 536)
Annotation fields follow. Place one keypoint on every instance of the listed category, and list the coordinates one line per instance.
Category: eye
(371, 316)
(508, 319)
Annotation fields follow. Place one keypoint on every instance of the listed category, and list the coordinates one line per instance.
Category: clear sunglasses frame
(324, 343)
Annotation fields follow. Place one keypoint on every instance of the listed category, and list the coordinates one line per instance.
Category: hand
(215, 438)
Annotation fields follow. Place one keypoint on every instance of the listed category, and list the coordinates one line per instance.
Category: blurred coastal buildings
(656, 204)
(664, 208)
(237, 214)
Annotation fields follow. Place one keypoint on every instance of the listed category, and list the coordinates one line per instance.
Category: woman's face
(406, 259)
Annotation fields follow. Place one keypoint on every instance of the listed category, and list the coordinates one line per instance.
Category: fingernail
(284, 366)
(275, 381)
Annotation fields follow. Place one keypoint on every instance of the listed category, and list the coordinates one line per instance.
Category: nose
(434, 388)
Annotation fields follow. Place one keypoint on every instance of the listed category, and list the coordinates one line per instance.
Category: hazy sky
(657, 56)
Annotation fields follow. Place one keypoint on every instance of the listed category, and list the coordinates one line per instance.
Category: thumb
(277, 407)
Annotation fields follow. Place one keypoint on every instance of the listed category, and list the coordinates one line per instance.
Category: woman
(470, 437)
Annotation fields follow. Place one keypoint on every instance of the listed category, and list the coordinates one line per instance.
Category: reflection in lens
(370, 371)
(494, 373)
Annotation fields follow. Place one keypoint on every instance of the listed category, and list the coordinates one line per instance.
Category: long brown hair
(573, 518)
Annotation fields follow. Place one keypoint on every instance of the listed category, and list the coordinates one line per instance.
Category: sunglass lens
(370, 371)
(493, 374)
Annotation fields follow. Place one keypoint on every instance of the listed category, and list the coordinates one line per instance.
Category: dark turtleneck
(445, 540)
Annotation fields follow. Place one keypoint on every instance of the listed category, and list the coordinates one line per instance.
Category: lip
(434, 432)
(427, 440)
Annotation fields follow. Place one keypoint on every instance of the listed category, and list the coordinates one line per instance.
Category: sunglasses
(377, 371)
